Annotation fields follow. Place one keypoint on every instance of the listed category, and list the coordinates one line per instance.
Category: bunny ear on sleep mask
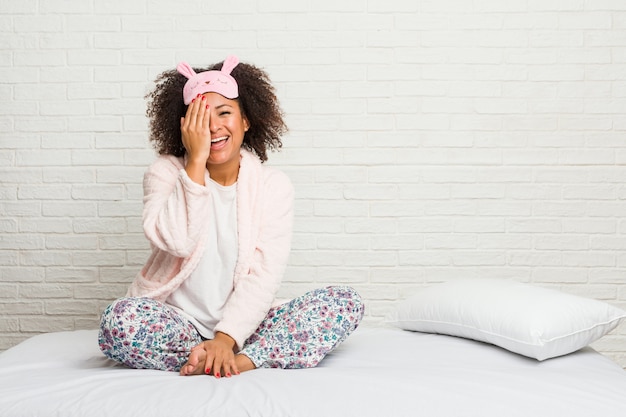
(215, 81)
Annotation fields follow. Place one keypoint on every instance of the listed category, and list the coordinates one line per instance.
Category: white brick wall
(430, 139)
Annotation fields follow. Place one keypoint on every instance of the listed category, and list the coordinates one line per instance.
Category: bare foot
(244, 363)
(195, 363)
(197, 358)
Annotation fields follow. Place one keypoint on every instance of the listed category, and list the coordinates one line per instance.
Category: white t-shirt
(202, 296)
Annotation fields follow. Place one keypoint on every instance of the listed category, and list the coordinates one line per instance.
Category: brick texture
(429, 140)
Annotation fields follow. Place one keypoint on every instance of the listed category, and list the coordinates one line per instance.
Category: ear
(246, 124)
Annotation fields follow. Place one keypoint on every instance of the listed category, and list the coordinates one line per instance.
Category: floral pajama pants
(144, 333)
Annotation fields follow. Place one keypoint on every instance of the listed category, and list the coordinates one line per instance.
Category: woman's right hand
(196, 137)
(213, 357)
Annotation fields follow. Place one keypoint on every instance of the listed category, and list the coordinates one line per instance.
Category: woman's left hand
(219, 356)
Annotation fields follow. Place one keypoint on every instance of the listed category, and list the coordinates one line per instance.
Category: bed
(378, 371)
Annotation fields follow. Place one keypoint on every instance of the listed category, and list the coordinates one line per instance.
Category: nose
(214, 122)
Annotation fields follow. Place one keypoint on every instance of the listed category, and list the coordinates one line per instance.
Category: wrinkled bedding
(376, 372)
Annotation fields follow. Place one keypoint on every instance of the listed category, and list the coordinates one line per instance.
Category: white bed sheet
(376, 372)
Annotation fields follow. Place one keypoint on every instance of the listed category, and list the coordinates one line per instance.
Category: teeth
(219, 139)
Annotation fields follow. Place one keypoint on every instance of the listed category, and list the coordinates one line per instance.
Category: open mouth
(218, 142)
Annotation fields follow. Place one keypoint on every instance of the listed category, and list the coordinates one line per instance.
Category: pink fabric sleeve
(174, 218)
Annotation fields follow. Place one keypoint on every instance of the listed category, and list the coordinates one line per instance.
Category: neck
(224, 175)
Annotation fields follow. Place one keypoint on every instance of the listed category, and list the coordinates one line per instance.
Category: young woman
(219, 224)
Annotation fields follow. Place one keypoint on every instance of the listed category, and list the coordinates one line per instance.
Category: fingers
(197, 111)
(222, 364)
(211, 358)
(195, 115)
(209, 365)
(206, 116)
(219, 366)
(226, 364)
(231, 368)
(192, 110)
(195, 129)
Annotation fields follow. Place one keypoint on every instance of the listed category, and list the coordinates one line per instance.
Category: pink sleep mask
(215, 81)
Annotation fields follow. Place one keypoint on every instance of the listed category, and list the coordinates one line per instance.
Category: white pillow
(533, 321)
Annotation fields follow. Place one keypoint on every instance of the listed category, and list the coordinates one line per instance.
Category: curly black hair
(257, 101)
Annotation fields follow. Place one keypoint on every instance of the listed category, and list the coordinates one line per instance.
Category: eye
(224, 113)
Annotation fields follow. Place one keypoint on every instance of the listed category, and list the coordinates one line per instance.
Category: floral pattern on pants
(144, 333)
